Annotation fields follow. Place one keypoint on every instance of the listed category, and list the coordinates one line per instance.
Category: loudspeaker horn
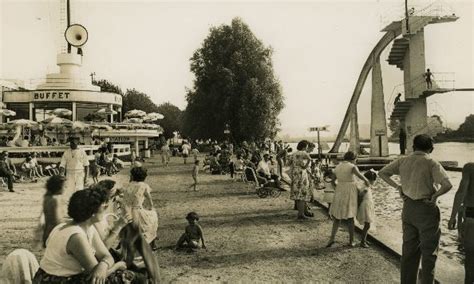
(76, 35)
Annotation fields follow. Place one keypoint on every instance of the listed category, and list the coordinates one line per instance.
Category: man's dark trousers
(9, 178)
(421, 234)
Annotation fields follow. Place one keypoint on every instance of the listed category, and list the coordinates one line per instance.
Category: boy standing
(195, 175)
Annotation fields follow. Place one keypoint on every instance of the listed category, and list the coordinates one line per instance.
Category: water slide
(392, 32)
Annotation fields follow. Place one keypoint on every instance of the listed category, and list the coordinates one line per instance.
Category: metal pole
(380, 145)
(406, 16)
(319, 147)
(68, 21)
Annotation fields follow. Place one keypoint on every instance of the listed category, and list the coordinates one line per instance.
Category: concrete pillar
(378, 121)
(74, 112)
(414, 66)
(30, 112)
(413, 69)
(147, 153)
(354, 136)
(137, 147)
(111, 107)
(416, 121)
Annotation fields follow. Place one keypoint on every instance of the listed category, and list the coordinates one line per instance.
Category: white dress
(147, 220)
(366, 211)
(344, 205)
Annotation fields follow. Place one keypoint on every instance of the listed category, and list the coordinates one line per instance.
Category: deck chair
(262, 186)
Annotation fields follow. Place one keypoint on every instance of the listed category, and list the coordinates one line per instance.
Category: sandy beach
(249, 239)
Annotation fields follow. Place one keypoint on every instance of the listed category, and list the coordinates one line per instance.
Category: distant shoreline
(393, 140)
(440, 140)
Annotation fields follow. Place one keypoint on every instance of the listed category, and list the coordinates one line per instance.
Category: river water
(388, 205)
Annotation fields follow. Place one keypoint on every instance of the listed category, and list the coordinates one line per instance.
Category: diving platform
(416, 25)
(430, 92)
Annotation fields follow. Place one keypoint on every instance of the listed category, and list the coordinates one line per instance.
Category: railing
(53, 154)
(396, 12)
(441, 80)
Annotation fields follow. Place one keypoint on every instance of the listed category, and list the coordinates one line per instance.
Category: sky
(319, 49)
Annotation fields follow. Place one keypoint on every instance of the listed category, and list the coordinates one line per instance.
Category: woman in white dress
(134, 197)
(344, 206)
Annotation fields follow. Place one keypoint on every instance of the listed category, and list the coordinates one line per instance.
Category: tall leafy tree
(106, 86)
(173, 118)
(134, 99)
(466, 129)
(235, 85)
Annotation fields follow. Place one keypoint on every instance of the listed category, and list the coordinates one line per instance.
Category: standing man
(402, 140)
(76, 164)
(420, 215)
(465, 197)
(5, 171)
(428, 76)
(185, 148)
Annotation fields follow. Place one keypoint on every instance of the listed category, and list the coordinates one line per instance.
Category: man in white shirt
(185, 148)
(263, 169)
(76, 164)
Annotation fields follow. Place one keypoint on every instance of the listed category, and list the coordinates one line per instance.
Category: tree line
(134, 99)
(235, 93)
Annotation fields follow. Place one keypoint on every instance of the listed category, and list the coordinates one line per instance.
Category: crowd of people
(85, 244)
(422, 181)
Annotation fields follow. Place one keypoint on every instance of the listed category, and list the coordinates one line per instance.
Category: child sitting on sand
(192, 234)
(366, 212)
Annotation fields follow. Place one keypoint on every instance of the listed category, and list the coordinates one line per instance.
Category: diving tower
(408, 54)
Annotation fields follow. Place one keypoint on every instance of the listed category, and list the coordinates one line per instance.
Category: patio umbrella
(7, 112)
(135, 113)
(80, 125)
(133, 120)
(106, 111)
(62, 112)
(153, 116)
(101, 126)
(57, 121)
(23, 122)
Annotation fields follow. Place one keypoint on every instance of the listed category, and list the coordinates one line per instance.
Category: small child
(95, 170)
(329, 179)
(195, 153)
(52, 204)
(195, 175)
(192, 234)
(366, 211)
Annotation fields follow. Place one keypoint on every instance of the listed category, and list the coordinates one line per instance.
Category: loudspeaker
(76, 35)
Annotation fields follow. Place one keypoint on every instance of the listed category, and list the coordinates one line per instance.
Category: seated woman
(38, 169)
(214, 164)
(28, 168)
(120, 230)
(74, 251)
